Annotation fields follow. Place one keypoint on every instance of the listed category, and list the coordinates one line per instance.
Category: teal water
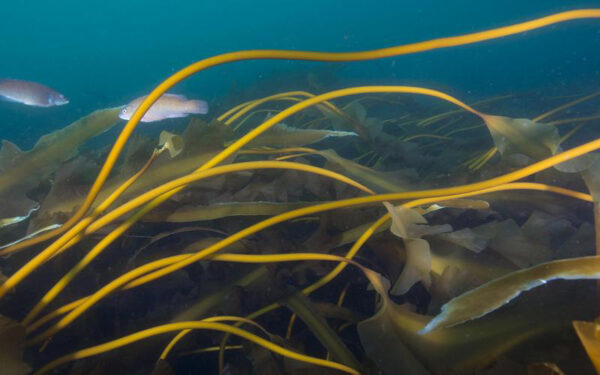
(105, 53)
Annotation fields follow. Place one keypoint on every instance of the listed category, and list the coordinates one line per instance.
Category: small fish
(167, 106)
(30, 93)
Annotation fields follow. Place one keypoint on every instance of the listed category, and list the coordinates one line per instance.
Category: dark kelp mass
(355, 231)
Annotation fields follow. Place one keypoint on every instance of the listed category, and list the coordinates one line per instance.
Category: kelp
(406, 225)
(300, 305)
(452, 282)
(377, 180)
(391, 338)
(589, 334)
(372, 132)
(172, 142)
(23, 171)
(466, 238)
(12, 337)
(209, 304)
(509, 240)
(224, 209)
(483, 266)
(462, 349)
(162, 367)
(465, 204)
(544, 368)
(201, 142)
(282, 135)
(161, 236)
(535, 139)
(524, 136)
(353, 118)
(496, 293)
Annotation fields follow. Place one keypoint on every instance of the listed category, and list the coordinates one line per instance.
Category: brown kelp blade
(408, 225)
(496, 293)
(304, 309)
(12, 337)
(220, 210)
(282, 135)
(202, 141)
(379, 181)
(393, 340)
(172, 142)
(524, 136)
(589, 335)
(23, 171)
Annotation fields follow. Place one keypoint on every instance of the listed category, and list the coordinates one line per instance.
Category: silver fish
(167, 106)
(30, 93)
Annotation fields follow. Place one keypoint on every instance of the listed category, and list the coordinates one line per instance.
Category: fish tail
(198, 106)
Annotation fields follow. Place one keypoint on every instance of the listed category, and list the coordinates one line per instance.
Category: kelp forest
(366, 230)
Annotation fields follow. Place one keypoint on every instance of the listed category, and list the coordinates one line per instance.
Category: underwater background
(428, 227)
(105, 53)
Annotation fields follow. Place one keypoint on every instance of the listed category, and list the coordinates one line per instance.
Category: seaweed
(23, 171)
(492, 295)
(446, 276)
(588, 334)
(12, 337)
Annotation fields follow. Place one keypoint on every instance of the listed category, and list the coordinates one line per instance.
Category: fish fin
(198, 107)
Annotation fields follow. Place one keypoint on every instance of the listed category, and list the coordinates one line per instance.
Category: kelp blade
(496, 293)
(589, 335)
(23, 171)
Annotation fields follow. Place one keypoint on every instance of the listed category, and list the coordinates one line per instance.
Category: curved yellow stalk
(572, 120)
(455, 131)
(565, 106)
(253, 113)
(416, 136)
(102, 206)
(372, 230)
(146, 197)
(568, 135)
(157, 269)
(225, 318)
(291, 55)
(258, 102)
(111, 345)
(24, 271)
(243, 108)
(210, 349)
(484, 159)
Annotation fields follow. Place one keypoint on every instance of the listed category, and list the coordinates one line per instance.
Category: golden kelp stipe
(157, 269)
(226, 153)
(151, 271)
(157, 192)
(295, 55)
(417, 194)
(195, 325)
(236, 56)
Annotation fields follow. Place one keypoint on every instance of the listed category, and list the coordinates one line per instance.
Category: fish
(167, 106)
(30, 93)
